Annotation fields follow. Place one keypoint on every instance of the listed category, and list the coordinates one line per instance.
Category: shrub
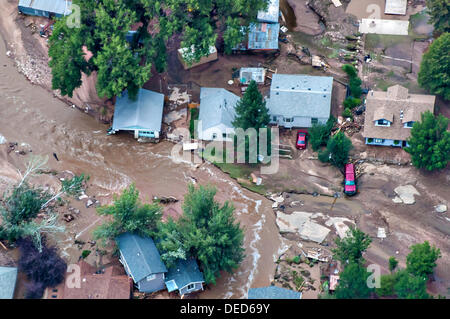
(387, 283)
(34, 290)
(85, 253)
(347, 113)
(351, 102)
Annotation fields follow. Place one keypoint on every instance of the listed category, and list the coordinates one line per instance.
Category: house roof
(273, 292)
(182, 274)
(263, 36)
(396, 7)
(272, 12)
(389, 105)
(141, 255)
(62, 7)
(8, 277)
(217, 106)
(300, 95)
(144, 113)
(111, 283)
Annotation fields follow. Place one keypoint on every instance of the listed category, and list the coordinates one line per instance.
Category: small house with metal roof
(185, 277)
(298, 100)
(273, 292)
(142, 262)
(46, 8)
(8, 278)
(217, 112)
(142, 116)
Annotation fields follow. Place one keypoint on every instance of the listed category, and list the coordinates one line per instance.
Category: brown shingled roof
(388, 105)
(112, 283)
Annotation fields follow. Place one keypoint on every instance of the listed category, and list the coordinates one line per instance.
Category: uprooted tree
(123, 60)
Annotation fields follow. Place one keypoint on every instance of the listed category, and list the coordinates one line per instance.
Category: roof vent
(401, 114)
(309, 89)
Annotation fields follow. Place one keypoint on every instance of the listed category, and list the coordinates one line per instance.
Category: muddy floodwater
(32, 115)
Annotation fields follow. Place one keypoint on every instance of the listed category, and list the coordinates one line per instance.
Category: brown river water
(32, 115)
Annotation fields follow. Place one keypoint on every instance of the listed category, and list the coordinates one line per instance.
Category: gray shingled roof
(8, 277)
(300, 95)
(141, 255)
(143, 113)
(273, 292)
(62, 7)
(217, 107)
(183, 273)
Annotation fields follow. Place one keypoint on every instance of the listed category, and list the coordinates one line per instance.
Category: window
(289, 119)
(190, 286)
(408, 124)
(214, 136)
(382, 122)
(379, 140)
(224, 135)
(274, 118)
(314, 120)
(151, 277)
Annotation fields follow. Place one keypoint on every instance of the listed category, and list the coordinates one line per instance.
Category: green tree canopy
(440, 14)
(435, 67)
(392, 263)
(129, 214)
(123, 64)
(320, 133)
(351, 247)
(410, 287)
(421, 261)
(353, 282)
(337, 150)
(251, 110)
(429, 144)
(206, 231)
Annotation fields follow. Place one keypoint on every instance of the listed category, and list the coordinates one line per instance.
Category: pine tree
(429, 144)
(337, 150)
(251, 110)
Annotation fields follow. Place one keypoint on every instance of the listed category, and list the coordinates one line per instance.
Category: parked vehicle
(350, 180)
(301, 139)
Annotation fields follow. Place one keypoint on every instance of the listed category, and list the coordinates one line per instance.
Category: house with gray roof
(142, 116)
(8, 277)
(217, 112)
(46, 8)
(273, 292)
(298, 100)
(142, 262)
(185, 277)
(391, 115)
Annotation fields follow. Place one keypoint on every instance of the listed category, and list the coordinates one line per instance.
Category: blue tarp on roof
(45, 7)
(144, 113)
(273, 292)
(272, 12)
(141, 255)
(8, 277)
(263, 36)
(182, 274)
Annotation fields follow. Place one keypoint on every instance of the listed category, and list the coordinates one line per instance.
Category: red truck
(350, 181)
(301, 139)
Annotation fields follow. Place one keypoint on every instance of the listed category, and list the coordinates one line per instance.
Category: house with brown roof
(390, 115)
(86, 282)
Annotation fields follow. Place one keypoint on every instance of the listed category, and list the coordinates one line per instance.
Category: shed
(143, 116)
(298, 100)
(46, 8)
(263, 36)
(273, 292)
(8, 277)
(217, 112)
(185, 277)
(142, 261)
(248, 74)
(271, 14)
(185, 55)
(397, 7)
